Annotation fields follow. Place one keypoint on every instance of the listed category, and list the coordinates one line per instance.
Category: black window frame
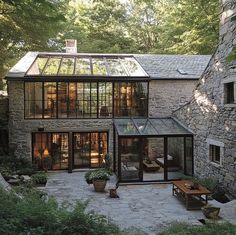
(95, 115)
(215, 153)
(229, 93)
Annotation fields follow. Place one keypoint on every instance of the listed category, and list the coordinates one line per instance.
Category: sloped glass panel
(133, 67)
(99, 67)
(126, 127)
(67, 66)
(38, 65)
(145, 127)
(83, 66)
(115, 68)
(52, 66)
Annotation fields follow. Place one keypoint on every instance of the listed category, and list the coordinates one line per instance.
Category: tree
(28, 25)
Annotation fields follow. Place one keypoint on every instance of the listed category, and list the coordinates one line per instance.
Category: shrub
(25, 171)
(208, 229)
(37, 215)
(86, 176)
(99, 174)
(6, 172)
(39, 178)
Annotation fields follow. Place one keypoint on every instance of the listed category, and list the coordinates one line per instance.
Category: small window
(229, 93)
(214, 153)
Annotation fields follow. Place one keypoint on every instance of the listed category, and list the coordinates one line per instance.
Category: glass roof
(77, 65)
(149, 127)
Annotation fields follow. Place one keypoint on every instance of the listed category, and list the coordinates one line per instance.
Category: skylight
(100, 66)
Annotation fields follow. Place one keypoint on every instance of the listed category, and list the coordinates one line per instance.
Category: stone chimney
(71, 46)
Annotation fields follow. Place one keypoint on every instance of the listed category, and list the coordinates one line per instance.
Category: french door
(89, 149)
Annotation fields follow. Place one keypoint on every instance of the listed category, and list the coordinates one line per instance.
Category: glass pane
(52, 66)
(72, 100)
(38, 65)
(87, 100)
(93, 99)
(145, 127)
(42, 151)
(33, 100)
(130, 159)
(67, 66)
(105, 99)
(63, 99)
(80, 98)
(175, 158)
(126, 127)
(83, 66)
(153, 159)
(133, 67)
(50, 99)
(115, 67)
(99, 67)
(81, 150)
(189, 156)
(59, 152)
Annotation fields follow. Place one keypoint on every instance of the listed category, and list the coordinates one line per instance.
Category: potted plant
(87, 177)
(99, 178)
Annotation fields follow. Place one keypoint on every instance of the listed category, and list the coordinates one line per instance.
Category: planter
(99, 185)
(211, 212)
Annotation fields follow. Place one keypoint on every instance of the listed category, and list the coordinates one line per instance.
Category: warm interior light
(45, 152)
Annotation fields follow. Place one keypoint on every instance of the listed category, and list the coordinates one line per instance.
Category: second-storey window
(85, 99)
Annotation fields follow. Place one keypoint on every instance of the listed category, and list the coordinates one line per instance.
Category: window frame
(225, 87)
(91, 115)
(211, 147)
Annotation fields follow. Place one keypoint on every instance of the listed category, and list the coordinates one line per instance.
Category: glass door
(81, 150)
(89, 149)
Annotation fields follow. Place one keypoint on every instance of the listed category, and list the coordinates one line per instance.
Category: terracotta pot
(99, 185)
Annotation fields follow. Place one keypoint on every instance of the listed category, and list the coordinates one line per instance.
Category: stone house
(67, 111)
(211, 112)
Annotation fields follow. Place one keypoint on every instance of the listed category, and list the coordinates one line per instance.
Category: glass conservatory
(152, 149)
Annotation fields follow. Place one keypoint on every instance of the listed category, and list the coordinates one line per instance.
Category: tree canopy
(121, 26)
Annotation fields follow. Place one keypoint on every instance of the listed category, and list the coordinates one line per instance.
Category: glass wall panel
(189, 155)
(94, 100)
(133, 67)
(175, 157)
(105, 99)
(72, 100)
(89, 149)
(50, 100)
(80, 98)
(129, 151)
(153, 159)
(33, 100)
(50, 150)
(87, 99)
(63, 99)
(115, 67)
(130, 99)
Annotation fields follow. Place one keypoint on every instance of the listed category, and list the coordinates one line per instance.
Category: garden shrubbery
(37, 214)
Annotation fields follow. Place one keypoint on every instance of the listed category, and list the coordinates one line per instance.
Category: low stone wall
(208, 116)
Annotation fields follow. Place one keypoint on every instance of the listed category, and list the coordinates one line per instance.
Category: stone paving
(144, 208)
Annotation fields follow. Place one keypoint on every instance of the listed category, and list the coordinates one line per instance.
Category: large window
(85, 99)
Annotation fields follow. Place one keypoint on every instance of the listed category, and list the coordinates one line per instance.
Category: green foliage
(232, 56)
(87, 177)
(99, 174)
(210, 183)
(208, 229)
(39, 178)
(37, 215)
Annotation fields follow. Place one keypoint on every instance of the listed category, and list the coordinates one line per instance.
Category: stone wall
(3, 124)
(208, 116)
(20, 129)
(165, 96)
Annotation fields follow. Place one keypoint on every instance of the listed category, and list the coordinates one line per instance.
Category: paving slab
(147, 209)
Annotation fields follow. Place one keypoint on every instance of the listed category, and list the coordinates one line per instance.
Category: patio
(144, 208)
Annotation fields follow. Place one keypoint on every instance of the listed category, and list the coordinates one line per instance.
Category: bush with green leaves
(86, 176)
(208, 229)
(99, 174)
(39, 178)
(36, 215)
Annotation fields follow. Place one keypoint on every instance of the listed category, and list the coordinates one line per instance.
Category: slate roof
(156, 66)
(167, 66)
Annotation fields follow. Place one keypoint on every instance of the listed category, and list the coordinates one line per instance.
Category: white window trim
(219, 144)
(231, 78)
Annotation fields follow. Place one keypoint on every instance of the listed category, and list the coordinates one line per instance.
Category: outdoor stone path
(145, 208)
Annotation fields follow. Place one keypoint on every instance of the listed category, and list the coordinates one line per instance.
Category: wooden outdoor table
(193, 198)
